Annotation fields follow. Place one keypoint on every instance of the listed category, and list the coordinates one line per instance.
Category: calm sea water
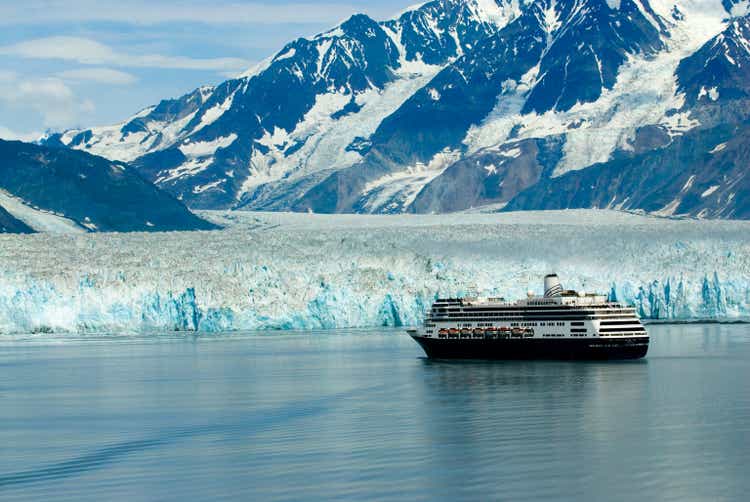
(362, 415)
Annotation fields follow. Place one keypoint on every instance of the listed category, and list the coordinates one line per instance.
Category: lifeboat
(478, 332)
(516, 332)
(504, 332)
(490, 333)
(465, 333)
(453, 332)
(443, 333)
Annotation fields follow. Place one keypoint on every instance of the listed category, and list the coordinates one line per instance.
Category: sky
(82, 63)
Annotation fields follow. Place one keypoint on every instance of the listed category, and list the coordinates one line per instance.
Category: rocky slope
(61, 190)
(9, 224)
(452, 105)
(703, 172)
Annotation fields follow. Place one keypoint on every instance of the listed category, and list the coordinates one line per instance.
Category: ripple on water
(364, 415)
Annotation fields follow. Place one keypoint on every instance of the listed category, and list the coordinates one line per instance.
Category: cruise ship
(562, 324)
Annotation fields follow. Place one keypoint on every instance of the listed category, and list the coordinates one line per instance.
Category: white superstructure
(559, 314)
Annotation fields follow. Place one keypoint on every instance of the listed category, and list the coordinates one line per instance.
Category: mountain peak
(720, 68)
(469, 99)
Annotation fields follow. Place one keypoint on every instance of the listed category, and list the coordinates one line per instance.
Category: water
(361, 415)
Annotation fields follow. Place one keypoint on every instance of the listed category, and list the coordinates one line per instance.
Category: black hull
(514, 349)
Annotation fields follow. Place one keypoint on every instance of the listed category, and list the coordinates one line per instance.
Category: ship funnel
(552, 286)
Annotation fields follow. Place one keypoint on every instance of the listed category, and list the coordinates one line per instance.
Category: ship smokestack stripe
(553, 291)
(552, 286)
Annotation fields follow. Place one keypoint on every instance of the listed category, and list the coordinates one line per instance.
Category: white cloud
(158, 12)
(51, 98)
(7, 76)
(98, 75)
(91, 52)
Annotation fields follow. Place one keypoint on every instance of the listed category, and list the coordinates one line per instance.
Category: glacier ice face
(298, 271)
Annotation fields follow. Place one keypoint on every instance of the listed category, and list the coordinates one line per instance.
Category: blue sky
(80, 63)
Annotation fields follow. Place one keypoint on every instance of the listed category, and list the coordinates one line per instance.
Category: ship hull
(529, 349)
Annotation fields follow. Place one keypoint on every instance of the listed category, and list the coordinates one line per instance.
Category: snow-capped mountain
(702, 172)
(310, 108)
(64, 191)
(452, 105)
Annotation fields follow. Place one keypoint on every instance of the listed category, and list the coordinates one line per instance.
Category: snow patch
(187, 169)
(324, 139)
(669, 209)
(551, 20)
(718, 148)
(109, 141)
(513, 153)
(710, 191)
(688, 183)
(397, 191)
(645, 93)
(207, 187)
(496, 12)
(712, 93)
(215, 112)
(286, 55)
(740, 9)
(256, 70)
(205, 148)
(38, 219)
(323, 47)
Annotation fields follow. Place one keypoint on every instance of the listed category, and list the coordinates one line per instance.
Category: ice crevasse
(385, 272)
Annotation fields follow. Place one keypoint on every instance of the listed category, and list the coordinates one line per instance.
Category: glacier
(278, 271)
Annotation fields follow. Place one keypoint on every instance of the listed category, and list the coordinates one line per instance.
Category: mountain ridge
(452, 104)
(62, 190)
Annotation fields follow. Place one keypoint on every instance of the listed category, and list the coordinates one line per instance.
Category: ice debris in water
(283, 271)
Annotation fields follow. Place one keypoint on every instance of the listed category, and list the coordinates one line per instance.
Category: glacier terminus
(301, 271)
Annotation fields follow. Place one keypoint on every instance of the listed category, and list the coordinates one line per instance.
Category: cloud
(98, 75)
(91, 52)
(51, 98)
(8, 76)
(151, 12)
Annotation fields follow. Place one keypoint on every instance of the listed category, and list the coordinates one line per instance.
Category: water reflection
(534, 423)
(363, 416)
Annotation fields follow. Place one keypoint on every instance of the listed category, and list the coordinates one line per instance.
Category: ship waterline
(562, 324)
